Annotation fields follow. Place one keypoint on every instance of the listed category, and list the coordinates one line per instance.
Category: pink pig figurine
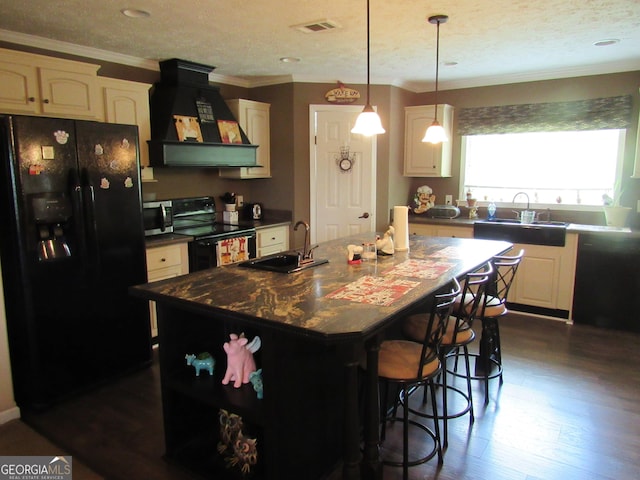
(240, 362)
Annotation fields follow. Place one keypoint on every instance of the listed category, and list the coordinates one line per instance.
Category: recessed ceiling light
(289, 60)
(135, 13)
(607, 42)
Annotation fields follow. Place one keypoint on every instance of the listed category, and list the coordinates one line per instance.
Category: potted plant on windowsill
(615, 214)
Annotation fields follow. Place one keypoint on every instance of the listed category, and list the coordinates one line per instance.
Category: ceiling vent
(317, 26)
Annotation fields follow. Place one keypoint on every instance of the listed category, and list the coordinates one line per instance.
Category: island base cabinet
(297, 426)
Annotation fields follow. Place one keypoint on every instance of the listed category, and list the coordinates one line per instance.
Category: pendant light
(368, 122)
(435, 133)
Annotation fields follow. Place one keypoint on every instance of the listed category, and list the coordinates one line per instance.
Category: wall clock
(346, 164)
(345, 160)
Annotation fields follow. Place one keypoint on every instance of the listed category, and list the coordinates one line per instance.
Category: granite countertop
(571, 227)
(166, 239)
(371, 294)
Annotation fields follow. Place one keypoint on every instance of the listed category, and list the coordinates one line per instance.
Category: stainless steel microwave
(158, 217)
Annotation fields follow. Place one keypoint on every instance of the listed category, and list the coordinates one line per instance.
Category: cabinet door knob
(31, 99)
(46, 100)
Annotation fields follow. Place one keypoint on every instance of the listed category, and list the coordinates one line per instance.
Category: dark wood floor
(569, 409)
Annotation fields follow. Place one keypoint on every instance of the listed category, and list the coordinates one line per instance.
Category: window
(563, 153)
(565, 167)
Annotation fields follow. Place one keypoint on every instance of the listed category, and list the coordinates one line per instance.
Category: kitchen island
(315, 326)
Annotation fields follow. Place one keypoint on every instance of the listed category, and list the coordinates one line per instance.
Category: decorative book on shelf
(188, 128)
(229, 131)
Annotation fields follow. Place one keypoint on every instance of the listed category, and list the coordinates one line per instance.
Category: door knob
(364, 215)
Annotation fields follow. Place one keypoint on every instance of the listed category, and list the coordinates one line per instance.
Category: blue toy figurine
(256, 380)
(204, 361)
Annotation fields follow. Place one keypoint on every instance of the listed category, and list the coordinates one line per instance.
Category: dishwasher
(607, 284)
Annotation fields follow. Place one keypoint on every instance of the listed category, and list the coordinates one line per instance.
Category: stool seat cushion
(400, 360)
(494, 307)
(463, 336)
(415, 327)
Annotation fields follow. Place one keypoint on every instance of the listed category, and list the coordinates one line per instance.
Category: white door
(342, 174)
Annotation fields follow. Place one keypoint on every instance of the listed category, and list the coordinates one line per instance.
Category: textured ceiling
(493, 42)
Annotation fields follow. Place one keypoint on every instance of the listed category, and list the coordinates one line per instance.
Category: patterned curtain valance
(596, 114)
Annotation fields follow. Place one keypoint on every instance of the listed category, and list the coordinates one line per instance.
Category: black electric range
(197, 217)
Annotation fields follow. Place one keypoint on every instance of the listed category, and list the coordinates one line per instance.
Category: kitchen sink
(541, 232)
(283, 263)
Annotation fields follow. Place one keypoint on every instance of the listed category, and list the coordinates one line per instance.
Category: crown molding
(79, 50)
(253, 82)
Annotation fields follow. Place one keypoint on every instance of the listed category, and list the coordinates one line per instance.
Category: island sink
(283, 263)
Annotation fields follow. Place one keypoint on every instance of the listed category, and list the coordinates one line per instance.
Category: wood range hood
(184, 90)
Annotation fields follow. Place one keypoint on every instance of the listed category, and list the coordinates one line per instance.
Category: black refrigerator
(72, 243)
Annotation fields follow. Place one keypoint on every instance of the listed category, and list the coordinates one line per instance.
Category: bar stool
(489, 358)
(408, 365)
(458, 335)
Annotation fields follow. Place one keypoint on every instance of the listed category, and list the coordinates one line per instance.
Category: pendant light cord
(368, 54)
(437, 64)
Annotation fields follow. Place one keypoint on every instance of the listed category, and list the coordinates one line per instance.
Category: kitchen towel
(232, 250)
(401, 226)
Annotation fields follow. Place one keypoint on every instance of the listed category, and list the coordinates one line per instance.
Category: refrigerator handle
(91, 228)
(80, 228)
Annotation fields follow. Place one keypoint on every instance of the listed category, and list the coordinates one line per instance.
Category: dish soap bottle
(491, 209)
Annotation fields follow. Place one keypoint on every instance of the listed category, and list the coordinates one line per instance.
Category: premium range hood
(185, 115)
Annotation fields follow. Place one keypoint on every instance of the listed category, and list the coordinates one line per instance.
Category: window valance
(594, 114)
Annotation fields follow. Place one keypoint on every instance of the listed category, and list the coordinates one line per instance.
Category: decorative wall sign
(205, 111)
(188, 128)
(342, 94)
(229, 131)
(345, 160)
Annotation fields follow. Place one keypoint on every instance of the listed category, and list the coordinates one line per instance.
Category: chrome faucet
(521, 193)
(307, 251)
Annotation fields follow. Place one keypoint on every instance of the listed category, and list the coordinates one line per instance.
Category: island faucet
(307, 251)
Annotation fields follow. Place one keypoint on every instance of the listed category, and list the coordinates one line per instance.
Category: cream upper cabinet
(40, 85)
(128, 103)
(425, 159)
(253, 118)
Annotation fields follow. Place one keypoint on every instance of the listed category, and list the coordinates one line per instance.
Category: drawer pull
(163, 259)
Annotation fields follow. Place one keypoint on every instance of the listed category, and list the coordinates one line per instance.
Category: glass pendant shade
(368, 123)
(435, 133)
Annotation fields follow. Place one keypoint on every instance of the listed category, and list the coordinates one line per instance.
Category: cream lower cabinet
(164, 262)
(272, 240)
(253, 118)
(128, 103)
(436, 230)
(545, 277)
(40, 85)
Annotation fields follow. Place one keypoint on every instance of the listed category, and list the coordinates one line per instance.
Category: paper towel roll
(401, 226)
